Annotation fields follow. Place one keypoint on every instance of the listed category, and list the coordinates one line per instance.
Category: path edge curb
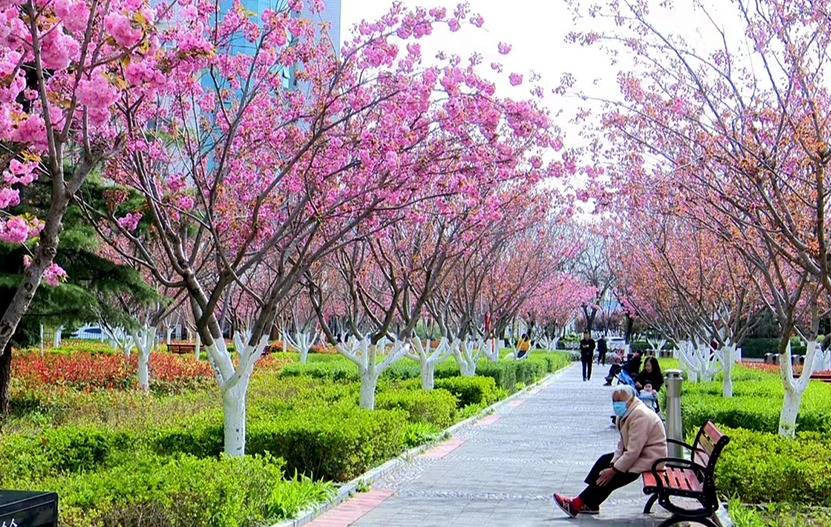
(346, 490)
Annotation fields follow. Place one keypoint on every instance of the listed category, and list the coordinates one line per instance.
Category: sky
(534, 28)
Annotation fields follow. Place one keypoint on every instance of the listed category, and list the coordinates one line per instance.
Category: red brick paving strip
(489, 420)
(516, 402)
(351, 510)
(443, 448)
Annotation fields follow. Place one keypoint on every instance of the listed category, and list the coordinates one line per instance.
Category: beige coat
(642, 439)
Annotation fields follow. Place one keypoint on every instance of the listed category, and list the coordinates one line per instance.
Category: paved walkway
(502, 470)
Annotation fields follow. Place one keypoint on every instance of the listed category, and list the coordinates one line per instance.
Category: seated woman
(649, 380)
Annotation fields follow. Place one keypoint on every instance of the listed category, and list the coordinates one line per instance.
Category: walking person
(601, 351)
(643, 441)
(587, 355)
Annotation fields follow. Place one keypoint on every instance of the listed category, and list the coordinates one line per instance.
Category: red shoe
(566, 504)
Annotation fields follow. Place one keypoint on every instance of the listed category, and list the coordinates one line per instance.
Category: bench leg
(649, 503)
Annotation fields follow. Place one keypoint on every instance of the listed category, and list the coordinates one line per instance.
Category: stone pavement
(502, 470)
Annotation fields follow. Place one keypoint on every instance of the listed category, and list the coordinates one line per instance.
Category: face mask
(619, 407)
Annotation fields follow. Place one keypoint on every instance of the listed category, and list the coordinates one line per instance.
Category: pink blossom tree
(65, 68)
(738, 122)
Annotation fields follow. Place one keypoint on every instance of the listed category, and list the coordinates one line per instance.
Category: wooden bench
(693, 478)
(181, 348)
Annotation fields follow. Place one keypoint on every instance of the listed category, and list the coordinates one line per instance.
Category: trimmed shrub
(437, 407)
(149, 491)
(470, 390)
(530, 370)
(61, 450)
(502, 372)
(757, 347)
(335, 371)
(555, 361)
(331, 443)
(755, 405)
(761, 467)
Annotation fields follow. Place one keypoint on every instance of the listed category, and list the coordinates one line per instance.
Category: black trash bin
(20, 508)
(768, 358)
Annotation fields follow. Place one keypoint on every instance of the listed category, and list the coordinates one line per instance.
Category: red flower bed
(774, 368)
(90, 371)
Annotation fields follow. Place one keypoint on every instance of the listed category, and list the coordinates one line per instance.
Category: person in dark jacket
(650, 378)
(587, 355)
(632, 367)
(601, 351)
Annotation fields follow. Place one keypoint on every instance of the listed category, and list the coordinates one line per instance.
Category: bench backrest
(707, 448)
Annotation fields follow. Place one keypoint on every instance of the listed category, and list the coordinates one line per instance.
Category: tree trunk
(143, 371)
(369, 382)
(5, 379)
(56, 336)
(233, 411)
(428, 370)
(728, 353)
(790, 409)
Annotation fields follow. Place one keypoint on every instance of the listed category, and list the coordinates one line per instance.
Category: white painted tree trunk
(467, 354)
(198, 347)
(421, 352)
(302, 342)
(169, 334)
(144, 339)
(699, 360)
(121, 340)
(233, 384)
(550, 344)
(56, 336)
(656, 345)
(727, 356)
(41, 340)
(794, 388)
(822, 359)
(365, 355)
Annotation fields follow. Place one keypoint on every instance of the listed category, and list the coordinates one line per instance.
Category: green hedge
(437, 407)
(60, 450)
(762, 467)
(149, 491)
(470, 390)
(336, 442)
(757, 347)
(755, 405)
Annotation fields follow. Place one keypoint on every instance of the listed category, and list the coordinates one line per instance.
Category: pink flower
(32, 130)
(14, 230)
(453, 24)
(20, 172)
(9, 198)
(516, 79)
(54, 275)
(122, 30)
(504, 48)
(59, 49)
(477, 20)
(185, 202)
(130, 220)
(74, 16)
(96, 92)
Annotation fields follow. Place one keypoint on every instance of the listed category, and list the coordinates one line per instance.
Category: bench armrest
(683, 444)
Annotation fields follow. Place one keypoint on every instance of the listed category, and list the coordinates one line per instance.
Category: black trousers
(595, 494)
(601, 357)
(587, 368)
(614, 370)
